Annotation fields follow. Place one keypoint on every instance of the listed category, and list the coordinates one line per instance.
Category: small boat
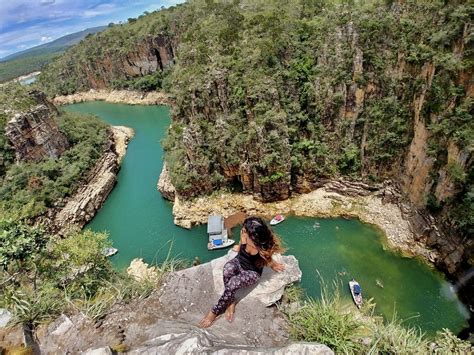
(277, 219)
(109, 251)
(356, 292)
(379, 283)
(218, 237)
(219, 244)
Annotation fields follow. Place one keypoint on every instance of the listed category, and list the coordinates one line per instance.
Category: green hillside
(278, 96)
(34, 59)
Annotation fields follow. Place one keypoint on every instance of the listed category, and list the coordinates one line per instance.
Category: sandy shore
(115, 96)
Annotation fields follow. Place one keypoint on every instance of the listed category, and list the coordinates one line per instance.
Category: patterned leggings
(235, 278)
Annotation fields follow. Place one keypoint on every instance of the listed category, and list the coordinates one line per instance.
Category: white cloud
(101, 9)
(47, 2)
(45, 38)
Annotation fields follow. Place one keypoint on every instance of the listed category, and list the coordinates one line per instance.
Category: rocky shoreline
(115, 96)
(77, 210)
(406, 228)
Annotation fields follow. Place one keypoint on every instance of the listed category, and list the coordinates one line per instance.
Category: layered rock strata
(166, 322)
(77, 210)
(34, 134)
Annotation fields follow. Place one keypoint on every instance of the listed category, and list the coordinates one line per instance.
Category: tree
(19, 242)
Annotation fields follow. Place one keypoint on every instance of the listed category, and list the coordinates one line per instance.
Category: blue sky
(28, 23)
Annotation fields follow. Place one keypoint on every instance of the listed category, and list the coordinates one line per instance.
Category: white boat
(356, 292)
(213, 245)
(109, 251)
(277, 219)
(218, 237)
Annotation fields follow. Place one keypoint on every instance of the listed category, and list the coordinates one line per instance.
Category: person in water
(255, 250)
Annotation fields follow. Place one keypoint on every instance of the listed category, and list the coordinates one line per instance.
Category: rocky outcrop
(418, 164)
(446, 186)
(154, 53)
(165, 186)
(34, 133)
(141, 271)
(122, 136)
(77, 210)
(167, 321)
(115, 96)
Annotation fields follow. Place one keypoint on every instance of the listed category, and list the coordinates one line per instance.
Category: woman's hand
(278, 267)
(236, 248)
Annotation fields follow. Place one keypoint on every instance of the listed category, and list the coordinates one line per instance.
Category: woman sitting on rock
(256, 248)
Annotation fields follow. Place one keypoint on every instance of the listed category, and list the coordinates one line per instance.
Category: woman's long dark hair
(265, 240)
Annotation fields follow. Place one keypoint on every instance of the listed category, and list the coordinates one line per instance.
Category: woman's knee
(230, 267)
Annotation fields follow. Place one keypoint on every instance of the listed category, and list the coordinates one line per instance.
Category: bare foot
(208, 320)
(229, 313)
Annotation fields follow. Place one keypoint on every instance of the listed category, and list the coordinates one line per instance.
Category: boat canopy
(214, 224)
(217, 241)
(357, 289)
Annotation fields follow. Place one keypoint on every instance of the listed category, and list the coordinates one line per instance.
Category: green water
(140, 224)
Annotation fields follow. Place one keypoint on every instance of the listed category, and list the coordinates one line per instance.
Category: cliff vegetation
(276, 97)
(43, 275)
(30, 187)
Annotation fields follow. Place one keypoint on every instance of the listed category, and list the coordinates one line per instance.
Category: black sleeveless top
(247, 261)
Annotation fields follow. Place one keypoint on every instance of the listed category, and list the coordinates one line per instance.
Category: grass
(123, 289)
(328, 320)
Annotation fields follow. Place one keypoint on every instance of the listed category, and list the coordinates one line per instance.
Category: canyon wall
(34, 134)
(75, 211)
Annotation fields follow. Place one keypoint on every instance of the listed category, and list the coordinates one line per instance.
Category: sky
(28, 23)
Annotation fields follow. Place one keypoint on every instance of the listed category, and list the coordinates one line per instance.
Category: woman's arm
(243, 240)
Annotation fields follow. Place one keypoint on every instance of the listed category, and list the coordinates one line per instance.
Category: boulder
(140, 271)
(166, 322)
(99, 351)
(165, 186)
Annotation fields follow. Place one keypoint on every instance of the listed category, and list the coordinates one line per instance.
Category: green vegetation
(296, 91)
(81, 67)
(34, 59)
(31, 188)
(13, 97)
(341, 326)
(17, 67)
(43, 276)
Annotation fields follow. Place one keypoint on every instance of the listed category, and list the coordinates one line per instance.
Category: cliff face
(34, 134)
(77, 210)
(352, 106)
(148, 56)
(115, 63)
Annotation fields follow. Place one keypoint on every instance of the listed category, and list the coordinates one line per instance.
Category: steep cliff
(45, 155)
(116, 58)
(77, 210)
(363, 92)
(34, 134)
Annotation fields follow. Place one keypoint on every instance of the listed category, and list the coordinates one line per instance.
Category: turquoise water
(140, 224)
